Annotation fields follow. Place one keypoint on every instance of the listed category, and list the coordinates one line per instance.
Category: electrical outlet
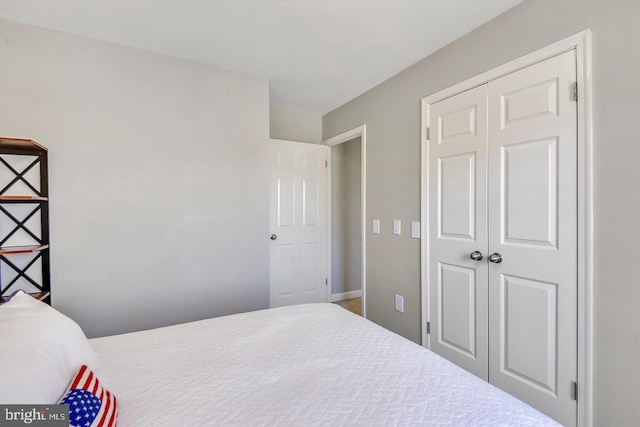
(399, 303)
(376, 226)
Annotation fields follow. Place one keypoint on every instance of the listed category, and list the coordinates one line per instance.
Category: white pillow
(41, 350)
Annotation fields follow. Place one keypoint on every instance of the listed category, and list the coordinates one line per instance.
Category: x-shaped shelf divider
(19, 225)
(19, 176)
(22, 272)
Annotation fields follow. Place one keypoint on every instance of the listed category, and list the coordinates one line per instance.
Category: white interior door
(533, 227)
(457, 228)
(503, 181)
(298, 223)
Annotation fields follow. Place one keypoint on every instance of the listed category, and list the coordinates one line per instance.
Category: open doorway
(347, 217)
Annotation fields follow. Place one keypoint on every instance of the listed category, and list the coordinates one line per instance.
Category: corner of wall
(294, 125)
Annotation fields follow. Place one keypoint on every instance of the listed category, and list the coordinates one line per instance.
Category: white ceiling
(317, 54)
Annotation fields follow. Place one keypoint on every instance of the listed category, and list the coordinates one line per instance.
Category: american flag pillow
(90, 405)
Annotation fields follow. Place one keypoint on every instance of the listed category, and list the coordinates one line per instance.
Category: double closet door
(503, 233)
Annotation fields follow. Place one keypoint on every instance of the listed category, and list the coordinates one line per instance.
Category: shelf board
(22, 198)
(22, 249)
(37, 295)
(20, 143)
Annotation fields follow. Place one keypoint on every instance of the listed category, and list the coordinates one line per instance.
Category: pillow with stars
(89, 403)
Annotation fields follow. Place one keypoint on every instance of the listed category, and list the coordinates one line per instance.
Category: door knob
(476, 256)
(496, 258)
(273, 237)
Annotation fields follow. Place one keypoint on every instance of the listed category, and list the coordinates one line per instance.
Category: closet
(502, 233)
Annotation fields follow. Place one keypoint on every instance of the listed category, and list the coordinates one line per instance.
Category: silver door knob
(495, 258)
(273, 237)
(476, 256)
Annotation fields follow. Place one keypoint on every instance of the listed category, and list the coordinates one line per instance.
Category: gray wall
(159, 194)
(346, 225)
(293, 125)
(391, 112)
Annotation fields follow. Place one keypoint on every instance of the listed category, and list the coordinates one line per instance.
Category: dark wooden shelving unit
(24, 219)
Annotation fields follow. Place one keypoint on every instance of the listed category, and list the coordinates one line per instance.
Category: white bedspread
(294, 366)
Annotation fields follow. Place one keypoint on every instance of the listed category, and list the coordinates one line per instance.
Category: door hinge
(326, 282)
(326, 163)
(574, 390)
(428, 133)
(428, 327)
(575, 91)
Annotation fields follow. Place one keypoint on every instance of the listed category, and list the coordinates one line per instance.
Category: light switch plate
(415, 229)
(396, 226)
(376, 226)
(399, 303)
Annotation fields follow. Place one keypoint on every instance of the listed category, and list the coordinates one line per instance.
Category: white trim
(424, 219)
(360, 131)
(581, 42)
(585, 231)
(346, 295)
(345, 136)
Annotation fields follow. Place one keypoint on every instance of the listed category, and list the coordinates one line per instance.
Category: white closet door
(533, 226)
(457, 228)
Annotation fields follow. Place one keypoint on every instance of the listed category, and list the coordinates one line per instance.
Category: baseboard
(346, 295)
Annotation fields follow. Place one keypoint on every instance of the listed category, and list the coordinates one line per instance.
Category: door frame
(360, 131)
(581, 43)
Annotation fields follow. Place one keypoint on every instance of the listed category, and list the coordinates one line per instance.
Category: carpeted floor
(354, 305)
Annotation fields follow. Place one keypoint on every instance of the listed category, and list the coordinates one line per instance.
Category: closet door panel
(532, 217)
(529, 330)
(530, 189)
(456, 188)
(457, 227)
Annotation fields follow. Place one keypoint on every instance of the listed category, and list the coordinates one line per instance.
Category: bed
(305, 365)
